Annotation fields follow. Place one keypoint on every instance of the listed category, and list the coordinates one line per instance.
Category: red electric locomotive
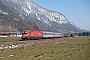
(31, 34)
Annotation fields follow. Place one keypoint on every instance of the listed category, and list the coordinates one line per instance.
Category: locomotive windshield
(25, 32)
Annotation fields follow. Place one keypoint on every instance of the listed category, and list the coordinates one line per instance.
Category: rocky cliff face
(44, 18)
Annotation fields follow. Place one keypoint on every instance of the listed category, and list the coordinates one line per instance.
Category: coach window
(44, 33)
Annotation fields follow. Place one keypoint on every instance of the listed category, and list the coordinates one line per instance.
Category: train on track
(35, 34)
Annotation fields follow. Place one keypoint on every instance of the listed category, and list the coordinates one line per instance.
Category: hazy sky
(76, 11)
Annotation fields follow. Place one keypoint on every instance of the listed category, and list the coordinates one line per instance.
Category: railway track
(5, 41)
(41, 40)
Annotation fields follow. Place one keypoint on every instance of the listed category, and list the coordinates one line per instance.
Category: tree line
(84, 34)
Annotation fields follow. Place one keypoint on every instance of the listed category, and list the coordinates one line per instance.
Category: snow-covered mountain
(10, 21)
(44, 18)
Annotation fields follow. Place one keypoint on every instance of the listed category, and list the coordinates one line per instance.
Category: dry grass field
(77, 48)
